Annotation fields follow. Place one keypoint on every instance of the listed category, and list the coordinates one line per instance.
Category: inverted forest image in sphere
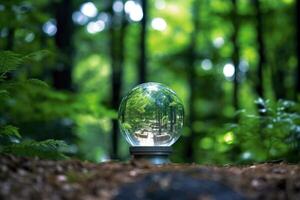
(151, 115)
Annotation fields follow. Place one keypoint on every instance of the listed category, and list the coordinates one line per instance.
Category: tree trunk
(261, 49)
(278, 77)
(117, 36)
(62, 74)
(143, 46)
(298, 49)
(235, 54)
(10, 39)
(192, 80)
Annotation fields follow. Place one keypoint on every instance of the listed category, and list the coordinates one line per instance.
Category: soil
(32, 178)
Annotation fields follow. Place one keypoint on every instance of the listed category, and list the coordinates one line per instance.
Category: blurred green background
(233, 63)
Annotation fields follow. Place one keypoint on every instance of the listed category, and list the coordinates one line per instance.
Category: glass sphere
(151, 115)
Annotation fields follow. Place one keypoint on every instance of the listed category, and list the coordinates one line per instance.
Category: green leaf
(4, 93)
(9, 61)
(48, 149)
(9, 131)
(37, 56)
(127, 126)
(37, 82)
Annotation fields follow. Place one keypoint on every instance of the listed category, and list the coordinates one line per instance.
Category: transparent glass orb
(151, 115)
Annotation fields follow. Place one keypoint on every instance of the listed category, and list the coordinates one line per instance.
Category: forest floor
(32, 178)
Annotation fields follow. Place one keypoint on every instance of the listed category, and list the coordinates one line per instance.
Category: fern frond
(37, 55)
(48, 149)
(9, 131)
(9, 61)
(37, 82)
(4, 93)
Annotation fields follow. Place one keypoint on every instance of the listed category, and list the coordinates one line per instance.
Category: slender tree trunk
(278, 77)
(117, 36)
(62, 75)
(261, 63)
(9, 47)
(261, 48)
(298, 49)
(10, 39)
(10, 42)
(192, 80)
(114, 87)
(236, 54)
(143, 46)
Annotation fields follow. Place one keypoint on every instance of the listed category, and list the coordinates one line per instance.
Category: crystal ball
(151, 114)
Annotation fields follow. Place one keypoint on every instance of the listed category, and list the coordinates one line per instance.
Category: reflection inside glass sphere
(151, 115)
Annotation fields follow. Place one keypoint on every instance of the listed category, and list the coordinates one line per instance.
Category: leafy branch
(9, 131)
(275, 127)
(48, 149)
(23, 91)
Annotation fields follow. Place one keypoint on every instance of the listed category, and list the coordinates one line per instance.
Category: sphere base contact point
(157, 155)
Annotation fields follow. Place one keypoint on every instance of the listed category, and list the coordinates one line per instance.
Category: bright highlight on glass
(228, 70)
(89, 9)
(159, 24)
(151, 115)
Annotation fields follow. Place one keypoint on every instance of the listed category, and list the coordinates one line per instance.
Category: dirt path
(26, 178)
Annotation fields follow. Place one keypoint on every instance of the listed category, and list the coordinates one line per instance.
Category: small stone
(257, 183)
(4, 168)
(279, 171)
(58, 169)
(132, 173)
(61, 178)
(22, 172)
